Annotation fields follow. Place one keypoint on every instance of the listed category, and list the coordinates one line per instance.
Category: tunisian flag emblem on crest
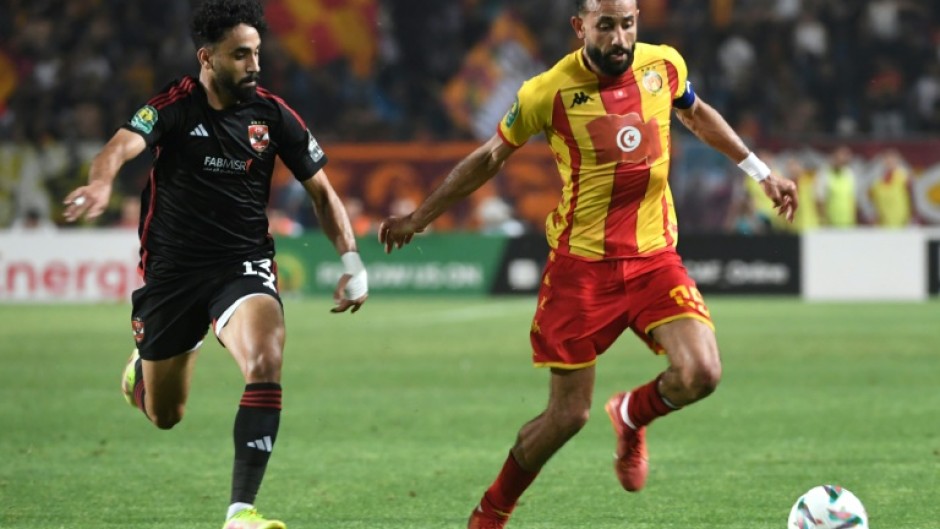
(258, 136)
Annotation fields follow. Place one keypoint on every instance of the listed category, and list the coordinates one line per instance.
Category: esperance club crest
(652, 81)
(258, 136)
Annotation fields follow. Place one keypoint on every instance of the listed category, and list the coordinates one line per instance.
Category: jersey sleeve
(297, 147)
(153, 123)
(528, 115)
(161, 114)
(684, 96)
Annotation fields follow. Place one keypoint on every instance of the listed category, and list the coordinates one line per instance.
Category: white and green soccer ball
(828, 507)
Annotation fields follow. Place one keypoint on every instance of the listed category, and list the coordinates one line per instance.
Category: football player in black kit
(205, 252)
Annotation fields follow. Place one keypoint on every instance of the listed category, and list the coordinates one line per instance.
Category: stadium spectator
(807, 216)
(33, 222)
(206, 253)
(129, 46)
(891, 192)
(885, 97)
(927, 97)
(837, 190)
(495, 217)
(614, 232)
(818, 74)
(362, 223)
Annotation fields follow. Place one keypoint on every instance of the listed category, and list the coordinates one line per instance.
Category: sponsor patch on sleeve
(512, 114)
(145, 119)
(313, 148)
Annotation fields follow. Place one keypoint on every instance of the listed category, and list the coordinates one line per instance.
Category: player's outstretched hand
(347, 287)
(87, 201)
(783, 194)
(397, 232)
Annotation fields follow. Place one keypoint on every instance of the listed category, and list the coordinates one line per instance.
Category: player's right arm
(465, 178)
(89, 201)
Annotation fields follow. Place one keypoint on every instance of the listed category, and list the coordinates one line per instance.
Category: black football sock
(256, 425)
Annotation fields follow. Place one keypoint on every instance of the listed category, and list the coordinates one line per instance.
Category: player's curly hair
(214, 18)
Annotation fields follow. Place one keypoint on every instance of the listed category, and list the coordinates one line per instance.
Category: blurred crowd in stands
(785, 73)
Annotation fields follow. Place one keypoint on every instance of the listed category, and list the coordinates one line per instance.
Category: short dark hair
(214, 18)
(580, 6)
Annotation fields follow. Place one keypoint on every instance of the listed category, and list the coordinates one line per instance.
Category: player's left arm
(302, 154)
(710, 127)
(352, 289)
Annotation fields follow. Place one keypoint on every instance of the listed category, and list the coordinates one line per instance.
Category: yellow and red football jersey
(610, 138)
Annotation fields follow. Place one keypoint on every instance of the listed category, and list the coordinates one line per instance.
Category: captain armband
(686, 100)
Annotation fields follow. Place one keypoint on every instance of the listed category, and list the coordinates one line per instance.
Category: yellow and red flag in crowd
(479, 95)
(316, 32)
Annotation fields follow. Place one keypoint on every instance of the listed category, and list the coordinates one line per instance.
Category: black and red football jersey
(206, 198)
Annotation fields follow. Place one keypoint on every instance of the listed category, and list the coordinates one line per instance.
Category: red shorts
(584, 306)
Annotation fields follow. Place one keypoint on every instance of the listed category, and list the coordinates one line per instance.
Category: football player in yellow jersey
(605, 110)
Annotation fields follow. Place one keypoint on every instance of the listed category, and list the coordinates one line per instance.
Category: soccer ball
(828, 507)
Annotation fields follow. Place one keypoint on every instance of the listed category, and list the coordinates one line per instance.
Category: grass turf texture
(400, 417)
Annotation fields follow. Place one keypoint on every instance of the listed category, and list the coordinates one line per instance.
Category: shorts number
(262, 269)
(687, 296)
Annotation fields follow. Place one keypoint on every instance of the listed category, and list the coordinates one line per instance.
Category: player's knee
(166, 419)
(702, 379)
(572, 419)
(580, 418)
(264, 364)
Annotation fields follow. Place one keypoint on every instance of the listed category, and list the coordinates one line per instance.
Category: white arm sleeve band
(754, 167)
(358, 284)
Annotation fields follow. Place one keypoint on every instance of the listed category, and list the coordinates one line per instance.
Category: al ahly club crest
(258, 136)
(138, 325)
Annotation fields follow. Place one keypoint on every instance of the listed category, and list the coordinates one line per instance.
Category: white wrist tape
(754, 167)
(358, 284)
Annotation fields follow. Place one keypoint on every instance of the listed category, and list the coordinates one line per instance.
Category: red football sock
(511, 482)
(647, 404)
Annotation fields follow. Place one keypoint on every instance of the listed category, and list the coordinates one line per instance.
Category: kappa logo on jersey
(625, 139)
(137, 325)
(145, 119)
(199, 131)
(580, 98)
(258, 136)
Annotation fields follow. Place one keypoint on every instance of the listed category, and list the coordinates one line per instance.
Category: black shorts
(172, 312)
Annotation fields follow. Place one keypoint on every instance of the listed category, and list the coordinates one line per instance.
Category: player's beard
(239, 90)
(606, 62)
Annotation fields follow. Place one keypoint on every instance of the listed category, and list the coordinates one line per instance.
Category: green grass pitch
(400, 416)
